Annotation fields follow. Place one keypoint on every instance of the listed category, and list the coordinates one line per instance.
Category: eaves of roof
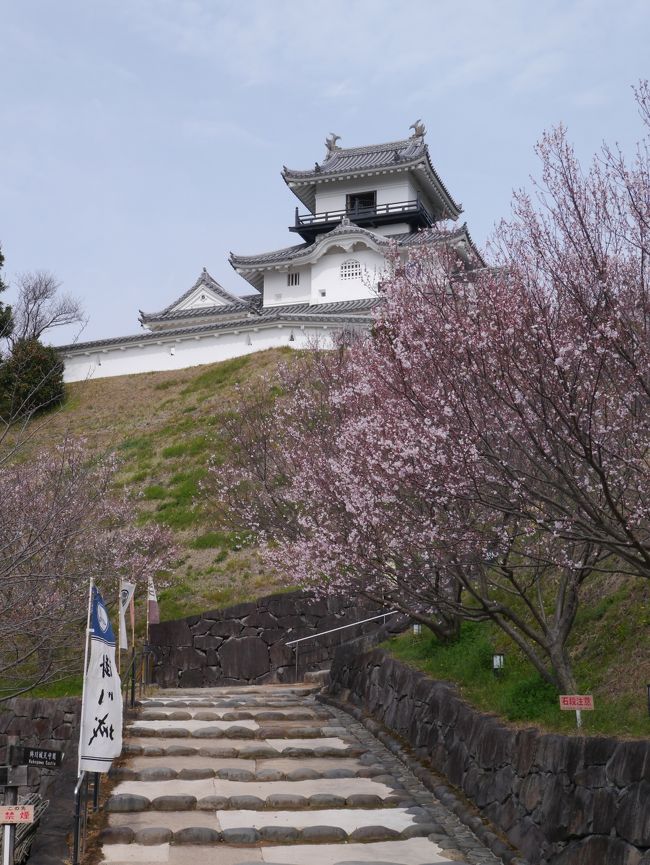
(272, 317)
(251, 267)
(197, 312)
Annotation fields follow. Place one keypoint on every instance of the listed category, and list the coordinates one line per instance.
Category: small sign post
(576, 703)
(12, 814)
(11, 776)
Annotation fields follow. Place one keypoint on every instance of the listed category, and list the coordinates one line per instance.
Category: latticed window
(293, 278)
(351, 269)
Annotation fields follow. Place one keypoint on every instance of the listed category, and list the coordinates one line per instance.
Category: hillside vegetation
(166, 427)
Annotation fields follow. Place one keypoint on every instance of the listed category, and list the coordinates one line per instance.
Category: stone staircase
(235, 776)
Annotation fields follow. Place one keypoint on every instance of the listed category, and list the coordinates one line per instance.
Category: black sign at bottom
(47, 758)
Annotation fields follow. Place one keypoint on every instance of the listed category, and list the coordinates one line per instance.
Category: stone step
(264, 774)
(225, 713)
(239, 729)
(244, 692)
(318, 677)
(414, 851)
(256, 749)
(195, 767)
(220, 794)
(274, 827)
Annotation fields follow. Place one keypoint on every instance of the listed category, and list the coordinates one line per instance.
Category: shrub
(31, 379)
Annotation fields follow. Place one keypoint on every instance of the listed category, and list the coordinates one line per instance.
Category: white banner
(153, 612)
(100, 738)
(126, 593)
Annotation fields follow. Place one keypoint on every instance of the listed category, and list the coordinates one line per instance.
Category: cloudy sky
(141, 140)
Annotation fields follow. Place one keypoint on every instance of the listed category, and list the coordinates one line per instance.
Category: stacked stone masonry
(561, 800)
(246, 644)
(39, 724)
(46, 724)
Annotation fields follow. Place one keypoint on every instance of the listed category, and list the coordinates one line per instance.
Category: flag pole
(119, 627)
(83, 687)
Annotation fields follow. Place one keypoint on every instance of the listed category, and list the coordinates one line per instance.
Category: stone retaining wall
(565, 800)
(246, 644)
(41, 723)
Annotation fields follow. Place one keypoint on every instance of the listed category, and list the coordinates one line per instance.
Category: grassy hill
(167, 425)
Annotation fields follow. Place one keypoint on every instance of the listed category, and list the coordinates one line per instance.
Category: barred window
(351, 269)
(293, 279)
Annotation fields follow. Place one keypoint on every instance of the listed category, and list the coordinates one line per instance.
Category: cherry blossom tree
(484, 452)
(61, 523)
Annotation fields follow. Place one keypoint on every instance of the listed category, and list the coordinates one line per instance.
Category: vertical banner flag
(100, 739)
(126, 595)
(152, 601)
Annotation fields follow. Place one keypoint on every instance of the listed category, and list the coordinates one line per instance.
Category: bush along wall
(246, 644)
(561, 800)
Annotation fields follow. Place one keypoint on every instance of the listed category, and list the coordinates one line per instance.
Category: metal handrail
(81, 813)
(295, 643)
(307, 219)
(383, 616)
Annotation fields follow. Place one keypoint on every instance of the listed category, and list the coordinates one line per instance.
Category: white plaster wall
(188, 352)
(194, 300)
(390, 188)
(390, 230)
(326, 276)
(275, 282)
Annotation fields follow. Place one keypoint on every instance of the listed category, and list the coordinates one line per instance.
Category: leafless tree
(40, 307)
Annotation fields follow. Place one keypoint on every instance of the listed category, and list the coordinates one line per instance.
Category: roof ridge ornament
(419, 129)
(330, 143)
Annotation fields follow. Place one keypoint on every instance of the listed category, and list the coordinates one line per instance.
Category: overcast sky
(141, 140)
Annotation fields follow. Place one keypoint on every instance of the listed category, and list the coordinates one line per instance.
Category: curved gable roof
(205, 280)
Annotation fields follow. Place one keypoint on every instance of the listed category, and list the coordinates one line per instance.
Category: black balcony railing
(413, 212)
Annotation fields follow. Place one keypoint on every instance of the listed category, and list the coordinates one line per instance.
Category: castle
(360, 202)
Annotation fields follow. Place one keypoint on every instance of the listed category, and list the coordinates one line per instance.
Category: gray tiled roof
(275, 315)
(303, 250)
(431, 235)
(204, 279)
(197, 312)
(344, 160)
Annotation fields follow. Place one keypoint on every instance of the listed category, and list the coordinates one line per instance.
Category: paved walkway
(237, 776)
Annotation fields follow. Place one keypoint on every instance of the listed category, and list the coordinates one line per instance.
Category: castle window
(357, 201)
(293, 279)
(351, 269)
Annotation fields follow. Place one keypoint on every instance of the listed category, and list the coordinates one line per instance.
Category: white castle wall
(176, 353)
(326, 276)
(389, 188)
(275, 283)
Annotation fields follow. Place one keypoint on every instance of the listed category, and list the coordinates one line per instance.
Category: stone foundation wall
(39, 724)
(561, 800)
(54, 724)
(246, 644)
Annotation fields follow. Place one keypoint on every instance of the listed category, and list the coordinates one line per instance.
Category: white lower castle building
(359, 203)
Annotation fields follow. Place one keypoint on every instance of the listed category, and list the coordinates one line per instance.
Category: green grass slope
(166, 427)
(609, 648)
